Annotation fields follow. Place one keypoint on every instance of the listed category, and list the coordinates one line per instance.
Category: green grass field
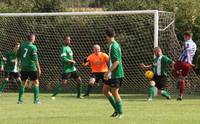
(66, 109)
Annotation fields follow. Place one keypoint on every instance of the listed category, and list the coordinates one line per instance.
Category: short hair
(110, 32)
(17, 43)
(66, 36)
(95, 46)
(188, 33)
(29, 36)
(157, 48)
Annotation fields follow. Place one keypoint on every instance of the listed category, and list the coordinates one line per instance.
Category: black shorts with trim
(98, 76)
(11, 75)
(32, 75)
(73, 75)
(161, 82)
(114, 83)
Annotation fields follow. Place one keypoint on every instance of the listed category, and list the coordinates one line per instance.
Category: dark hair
(110, 32)
(29, 36)
(188, 33)
(17, 43)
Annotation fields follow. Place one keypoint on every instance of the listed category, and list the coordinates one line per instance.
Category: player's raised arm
(142, 65)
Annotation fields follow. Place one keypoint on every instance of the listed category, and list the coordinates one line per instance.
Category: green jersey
(160, 65)
(27, 54)
(11, 64)
(67, 55)
(115, 55)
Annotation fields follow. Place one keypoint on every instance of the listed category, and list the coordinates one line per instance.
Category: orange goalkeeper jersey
(98, 63)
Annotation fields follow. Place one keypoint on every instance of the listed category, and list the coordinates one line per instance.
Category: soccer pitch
(66, 109)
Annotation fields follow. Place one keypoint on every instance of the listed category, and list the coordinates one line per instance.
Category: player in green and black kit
(30, 68)
(69, 69)
(114, 75)
(10, 67)
(160, 68)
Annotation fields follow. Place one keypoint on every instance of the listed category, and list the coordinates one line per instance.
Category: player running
(98, 63)
(69, 69)
(160, 68)
(30, 68)
(114, 75)
(184, 64)
(10, 67)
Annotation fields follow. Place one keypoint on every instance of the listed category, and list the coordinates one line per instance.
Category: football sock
(21, 93)
(58, 89)
(79, 88)
(112, 101)
(36, 93)
(182, 87)
(3, 85)
(150, 92)
(119, 106)
(165, 94)
(89, 89)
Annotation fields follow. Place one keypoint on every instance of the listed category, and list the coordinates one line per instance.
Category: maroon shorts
(181, 69)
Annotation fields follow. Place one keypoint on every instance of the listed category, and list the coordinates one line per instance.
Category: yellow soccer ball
(149, 74)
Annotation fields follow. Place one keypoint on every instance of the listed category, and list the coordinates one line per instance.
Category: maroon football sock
(182, 87)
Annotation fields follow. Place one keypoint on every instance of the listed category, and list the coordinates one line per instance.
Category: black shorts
(73, 75)
(161, 82)
(114, 83)
(11, 75)
(98, 76)
(32, 75)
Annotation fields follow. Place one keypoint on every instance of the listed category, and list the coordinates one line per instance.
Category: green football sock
(36, 93)
(112, 101)
(3, 85)
(21, 93)
(165, 94)
(79, 89)
(89, 89)
(150, 92)
(119, 106)
(58, 89)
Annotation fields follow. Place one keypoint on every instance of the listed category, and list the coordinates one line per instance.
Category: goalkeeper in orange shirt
(98, 63)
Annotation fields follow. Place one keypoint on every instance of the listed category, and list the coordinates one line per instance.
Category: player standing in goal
(69, 69)
(184, 63)
(160, 68)
(98, 63)
(10, 67)
(30, 68)
(115, 74)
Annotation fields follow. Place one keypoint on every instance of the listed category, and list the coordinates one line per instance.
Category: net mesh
(135, 33)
